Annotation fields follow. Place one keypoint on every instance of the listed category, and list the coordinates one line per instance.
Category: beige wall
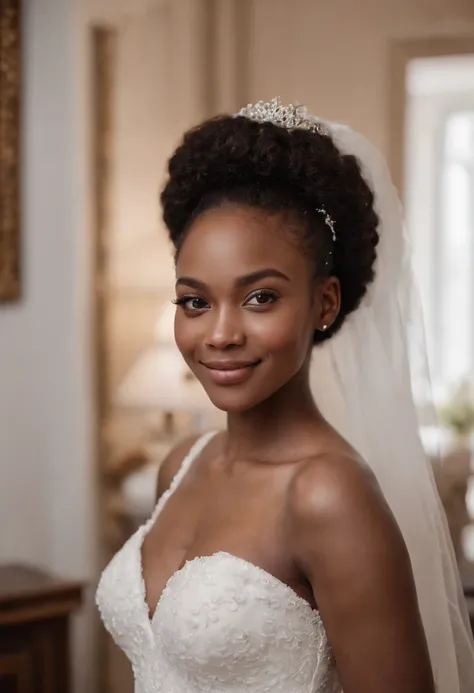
(334, 55)
(46, 471)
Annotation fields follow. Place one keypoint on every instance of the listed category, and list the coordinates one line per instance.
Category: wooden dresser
(467, 579)
(34, 630)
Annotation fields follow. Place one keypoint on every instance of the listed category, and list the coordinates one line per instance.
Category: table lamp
(160, 381)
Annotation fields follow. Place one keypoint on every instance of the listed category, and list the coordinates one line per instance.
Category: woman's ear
(327, 303)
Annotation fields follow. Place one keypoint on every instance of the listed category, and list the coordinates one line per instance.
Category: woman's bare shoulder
(328, 481)
(346, 541)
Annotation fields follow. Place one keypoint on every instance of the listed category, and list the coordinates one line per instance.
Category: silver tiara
(290, 117)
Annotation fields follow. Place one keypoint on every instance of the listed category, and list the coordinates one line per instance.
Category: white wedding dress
(221, 625)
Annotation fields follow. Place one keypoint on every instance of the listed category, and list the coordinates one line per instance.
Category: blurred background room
(94, 96)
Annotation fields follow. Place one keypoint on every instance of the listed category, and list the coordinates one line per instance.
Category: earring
(324, 328)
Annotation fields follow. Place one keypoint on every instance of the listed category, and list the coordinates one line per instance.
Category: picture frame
(10, 134)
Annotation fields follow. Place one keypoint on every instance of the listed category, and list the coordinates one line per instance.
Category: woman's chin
(233, 402)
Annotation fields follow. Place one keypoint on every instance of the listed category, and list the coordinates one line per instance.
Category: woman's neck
(276, 427)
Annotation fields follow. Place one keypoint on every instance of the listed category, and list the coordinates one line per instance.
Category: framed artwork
(10, 86)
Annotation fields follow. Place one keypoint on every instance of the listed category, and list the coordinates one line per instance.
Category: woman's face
(248, 305)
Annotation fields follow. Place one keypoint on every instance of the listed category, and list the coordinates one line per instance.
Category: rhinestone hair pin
(328, 220)
(291, 117)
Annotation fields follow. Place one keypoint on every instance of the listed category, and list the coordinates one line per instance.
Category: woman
(277, 558)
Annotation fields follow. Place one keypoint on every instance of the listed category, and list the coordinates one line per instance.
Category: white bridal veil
(364, 389)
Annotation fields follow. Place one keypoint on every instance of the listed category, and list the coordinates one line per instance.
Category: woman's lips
(230, 372)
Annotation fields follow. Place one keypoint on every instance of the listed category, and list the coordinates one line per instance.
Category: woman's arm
(349, 546)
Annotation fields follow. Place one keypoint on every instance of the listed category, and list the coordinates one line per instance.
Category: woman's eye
(261, 298)
(191, 303)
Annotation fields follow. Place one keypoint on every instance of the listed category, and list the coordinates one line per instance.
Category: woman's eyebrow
(244, 280)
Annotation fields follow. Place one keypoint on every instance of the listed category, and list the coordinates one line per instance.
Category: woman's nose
(224, 331)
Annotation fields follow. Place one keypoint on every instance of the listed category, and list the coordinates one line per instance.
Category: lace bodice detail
(221, 625)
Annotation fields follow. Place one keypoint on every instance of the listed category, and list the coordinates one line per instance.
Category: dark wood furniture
(34, 630)
(467, 579)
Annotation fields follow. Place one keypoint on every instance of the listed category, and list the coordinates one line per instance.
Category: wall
(46, 485)
(42, 420)
(334, 56)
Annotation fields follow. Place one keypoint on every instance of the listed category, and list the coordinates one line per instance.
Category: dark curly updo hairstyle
(237, 160)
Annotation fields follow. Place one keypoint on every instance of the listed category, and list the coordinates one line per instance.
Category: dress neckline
(196, 449)
(305, 607)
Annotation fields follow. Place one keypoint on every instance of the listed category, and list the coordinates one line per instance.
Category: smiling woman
(252, 322)
(280, 557)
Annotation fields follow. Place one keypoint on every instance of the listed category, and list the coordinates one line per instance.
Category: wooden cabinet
(467, 579)
(34, 630)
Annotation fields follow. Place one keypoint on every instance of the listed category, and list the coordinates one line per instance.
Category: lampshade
(158, 381)
(160, 378)
(164, 328)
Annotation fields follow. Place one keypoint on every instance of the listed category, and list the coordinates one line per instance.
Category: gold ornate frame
(10, 86)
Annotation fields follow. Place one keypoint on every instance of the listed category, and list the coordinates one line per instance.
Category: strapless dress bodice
(221, 624)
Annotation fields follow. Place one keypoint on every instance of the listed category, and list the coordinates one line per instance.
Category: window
(440, 210)
(453, 277)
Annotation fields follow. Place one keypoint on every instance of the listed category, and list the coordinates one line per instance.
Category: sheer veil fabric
(362, 380)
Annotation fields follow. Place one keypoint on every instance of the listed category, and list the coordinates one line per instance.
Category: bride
(303, 549)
